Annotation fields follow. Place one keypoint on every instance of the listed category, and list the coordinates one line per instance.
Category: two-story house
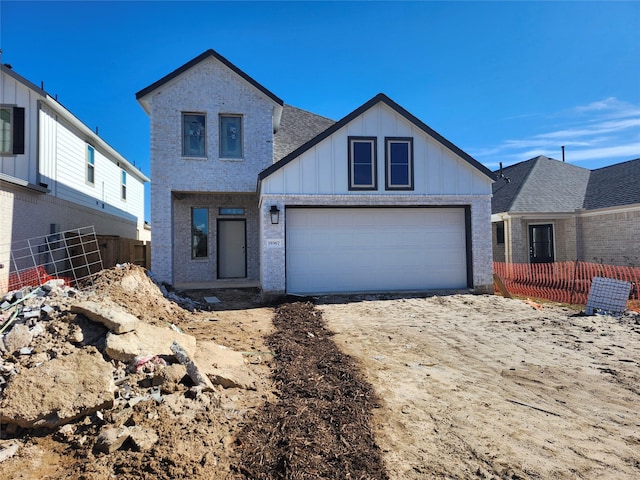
(246, 188)
(57, 174)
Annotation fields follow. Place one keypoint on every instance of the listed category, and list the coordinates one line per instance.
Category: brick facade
(612, 238)
(188, 269)
(212, 89)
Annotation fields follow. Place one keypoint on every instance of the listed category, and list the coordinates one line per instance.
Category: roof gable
(9, 71)
(359, 111)
(140, 96)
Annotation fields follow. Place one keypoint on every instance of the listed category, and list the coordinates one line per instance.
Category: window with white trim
(124, 185)
(231, 136)
(91, 164)
(362, 163)
(399, 163)
(11, 130)
(194, 135)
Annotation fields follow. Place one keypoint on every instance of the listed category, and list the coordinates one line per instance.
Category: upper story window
(194, 137)
(124, 185)
(231, 136)
(399, 163)
(362, 163)
(91, 164)
(11, 130)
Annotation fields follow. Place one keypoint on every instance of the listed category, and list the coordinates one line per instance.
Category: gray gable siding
(359, 111)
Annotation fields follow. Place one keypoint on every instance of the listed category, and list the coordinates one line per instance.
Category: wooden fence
(564, 282)
(115, 249)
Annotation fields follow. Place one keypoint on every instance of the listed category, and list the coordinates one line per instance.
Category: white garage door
(375, 249)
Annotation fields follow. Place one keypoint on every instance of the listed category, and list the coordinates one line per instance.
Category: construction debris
(92, 357)
(115, 319)
(192, 368)
(58, 391)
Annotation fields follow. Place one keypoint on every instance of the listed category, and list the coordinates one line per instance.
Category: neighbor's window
(124, 185)
(231, 136)
(194, 136)
(500, 233)
(199, 232)
(362, 163)
(11, 130)
(91, 164)
(399, 163)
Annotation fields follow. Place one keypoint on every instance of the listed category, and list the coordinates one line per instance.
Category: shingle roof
(543, 184)
(508, 185)
(552, 186)
(614, 185)
(297, 127)
(381, 97)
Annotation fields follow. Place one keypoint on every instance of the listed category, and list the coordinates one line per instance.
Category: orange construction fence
(564, 282)
(31, 277)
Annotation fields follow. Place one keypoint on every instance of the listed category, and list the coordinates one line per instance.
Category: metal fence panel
(72, 255)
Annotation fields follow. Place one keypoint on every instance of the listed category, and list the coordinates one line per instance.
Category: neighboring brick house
(57, 174)
(249, 191)
(545, 210)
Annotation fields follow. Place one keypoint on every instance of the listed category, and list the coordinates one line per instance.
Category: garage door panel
(375, 249)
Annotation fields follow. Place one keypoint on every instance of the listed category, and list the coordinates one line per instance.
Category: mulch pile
(320, 427)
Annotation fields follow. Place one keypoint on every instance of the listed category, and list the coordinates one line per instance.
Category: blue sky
(504, 81)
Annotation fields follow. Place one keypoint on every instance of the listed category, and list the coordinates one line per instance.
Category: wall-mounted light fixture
(275, 214)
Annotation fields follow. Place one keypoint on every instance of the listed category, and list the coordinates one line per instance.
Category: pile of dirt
(108, 380)
(321, 423)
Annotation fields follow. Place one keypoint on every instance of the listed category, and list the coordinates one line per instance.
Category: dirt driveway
(482, 386)
(461, 386)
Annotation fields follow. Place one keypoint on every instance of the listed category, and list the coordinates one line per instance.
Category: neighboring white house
(248, 189)
(56, 174)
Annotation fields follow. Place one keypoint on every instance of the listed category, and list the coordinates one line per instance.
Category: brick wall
(209, 88)
(499, 251)
(612, 238)
(187, 269)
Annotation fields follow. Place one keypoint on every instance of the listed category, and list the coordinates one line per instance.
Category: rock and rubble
(82, 363)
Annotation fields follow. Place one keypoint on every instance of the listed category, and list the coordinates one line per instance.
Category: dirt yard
(456, 386)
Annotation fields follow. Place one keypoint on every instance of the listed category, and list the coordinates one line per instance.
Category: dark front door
(541, 243)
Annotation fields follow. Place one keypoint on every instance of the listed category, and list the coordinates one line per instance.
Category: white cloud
(607, 130)
(606, 104)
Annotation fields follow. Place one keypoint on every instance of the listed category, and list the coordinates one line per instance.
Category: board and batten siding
(323, 169)
(23, 166)
(63, 168)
